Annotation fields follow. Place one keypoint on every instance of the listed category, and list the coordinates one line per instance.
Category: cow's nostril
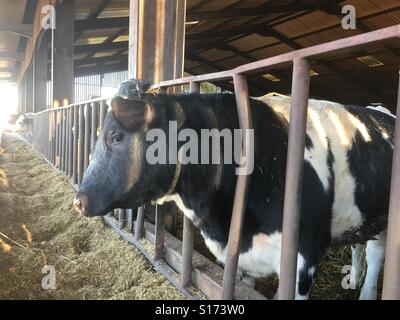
(77, 205)
(81, 204)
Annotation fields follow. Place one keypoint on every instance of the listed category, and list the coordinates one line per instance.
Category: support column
(156, 53)
(156, 39)
(63, 54)
(40, 77)
(29, 90)
(23, 96)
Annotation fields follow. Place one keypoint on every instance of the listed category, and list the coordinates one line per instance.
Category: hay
(39, 227)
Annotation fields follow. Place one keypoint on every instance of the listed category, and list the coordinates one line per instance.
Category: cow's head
(118, 175)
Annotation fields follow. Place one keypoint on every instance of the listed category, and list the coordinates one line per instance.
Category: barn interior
(219, 35)
(94, 56)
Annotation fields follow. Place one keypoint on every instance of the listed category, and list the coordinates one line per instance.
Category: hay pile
(39, 227)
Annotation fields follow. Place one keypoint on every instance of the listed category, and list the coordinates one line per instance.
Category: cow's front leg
(305, 278)
(375, 254)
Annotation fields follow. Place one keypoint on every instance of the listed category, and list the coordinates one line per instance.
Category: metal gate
(66, 136)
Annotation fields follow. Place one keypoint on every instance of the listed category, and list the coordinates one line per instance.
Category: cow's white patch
(179, 203)
(330, 121)
(375, 254)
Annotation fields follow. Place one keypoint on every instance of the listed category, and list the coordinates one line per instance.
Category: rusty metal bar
(187, 237)
(87, 136)
(313, 51)
(71, 141)
(294, 179)
(56, 112)
(391, 279)
(63, 140)
(122, 218)
(67, 141)
(75, 145)
(54, 143)
(93, 126)
(139, 223)
(103, 112)
(81, 145)
(239, 202)
(129, 219)
(160, 234)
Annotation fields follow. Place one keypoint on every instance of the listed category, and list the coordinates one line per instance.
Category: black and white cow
(347, 165)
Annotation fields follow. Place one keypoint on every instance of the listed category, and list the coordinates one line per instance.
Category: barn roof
(223, 34)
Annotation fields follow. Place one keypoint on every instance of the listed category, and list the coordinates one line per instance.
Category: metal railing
(66, 138)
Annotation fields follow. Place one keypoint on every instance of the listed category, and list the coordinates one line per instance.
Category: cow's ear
(131, 114)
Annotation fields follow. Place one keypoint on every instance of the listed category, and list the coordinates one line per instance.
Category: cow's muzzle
(81, 203)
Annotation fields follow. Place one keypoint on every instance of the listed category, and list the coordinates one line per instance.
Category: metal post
(75, 146)
(391, 279)
(187, 238)
(87, 136)
(235, 231)
(294, 179)
(103, 112)
(62, 145)
(139, 223)
(159, 234)
(129, 219)
(94, 126)
(71, 140)
(81, 145)
(122, 218)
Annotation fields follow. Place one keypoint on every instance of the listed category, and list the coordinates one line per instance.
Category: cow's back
(349, 149)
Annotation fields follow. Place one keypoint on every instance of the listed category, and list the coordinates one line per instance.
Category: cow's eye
(117, 137)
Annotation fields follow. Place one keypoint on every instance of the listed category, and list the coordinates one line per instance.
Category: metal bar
(93, 126)
(187, 237)
(81, 145)
(87, 136)
(75, 146)
(67, 138)
(103, 112)
(139, 223)
(160, 234)
(294, 179)
(313, 51)
(239, 202)
(57, 140)
(71, 141)
(63, 140)
(122, 218)
(129, 219)
(391, 279)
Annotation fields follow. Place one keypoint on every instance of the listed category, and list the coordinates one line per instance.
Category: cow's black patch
(370, 163)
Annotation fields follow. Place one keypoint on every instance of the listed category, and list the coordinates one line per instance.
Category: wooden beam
(24, 30)
(101, 60)
(102, 47)
(63, 67)
(104, 23)
(264, 9)
(40, 77)
(11, 55)
(10, 69)
(84, 71)
(92, 16)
